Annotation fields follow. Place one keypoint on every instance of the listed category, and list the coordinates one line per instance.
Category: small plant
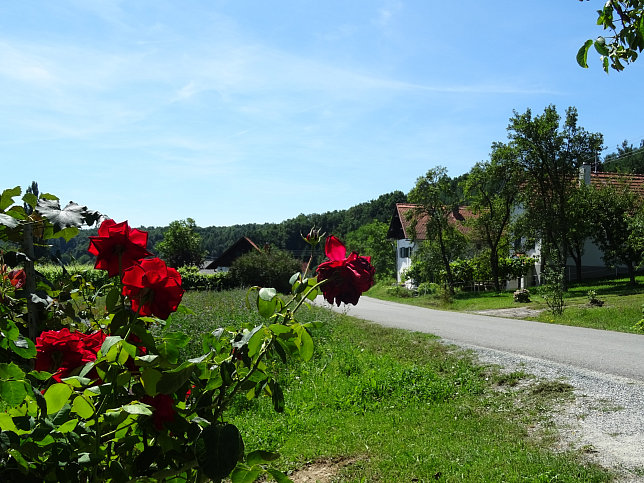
(593, 300)
(553, 290)
(522, 296)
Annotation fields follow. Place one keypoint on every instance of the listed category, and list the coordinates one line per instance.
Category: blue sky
(255, 111)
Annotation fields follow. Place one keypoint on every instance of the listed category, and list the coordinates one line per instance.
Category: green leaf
(277, 395)
(582, 54)
(30, 199)
(67, 426)
(57, 396)
(169, 345)
(256, 341)
(137, 408)
(267, 302)
(6, 423)
(172, 381)
(279, 476)
(66, 233)
(6, 199)
(13, 393)
(305, 346)
(11, 371)
(112, 299)
(600, 46)
(258, 457)
(218, 449)
(294, 278)
(150, 378)
(24, 347)
(243, 474)
(109, 342)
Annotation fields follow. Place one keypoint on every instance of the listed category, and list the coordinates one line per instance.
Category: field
(378, 404)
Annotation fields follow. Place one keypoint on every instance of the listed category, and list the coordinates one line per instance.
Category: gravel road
(606, 418)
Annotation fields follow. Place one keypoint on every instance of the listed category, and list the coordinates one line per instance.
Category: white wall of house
(404, 249)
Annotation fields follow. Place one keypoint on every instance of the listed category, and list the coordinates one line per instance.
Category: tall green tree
(624, 21)
(493, 189)
(581, 224)
(371, 240)
(618, 214)
(551, 153)
(436, 200)
(181, 244)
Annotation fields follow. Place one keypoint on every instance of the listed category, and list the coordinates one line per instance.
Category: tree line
(285, 235)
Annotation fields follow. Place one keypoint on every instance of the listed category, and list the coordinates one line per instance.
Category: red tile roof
(402, 222)
(634, 181)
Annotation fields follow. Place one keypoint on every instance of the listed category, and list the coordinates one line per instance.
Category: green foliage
(619, 215)
(371, 240)
(193, 279)
(123, 404)
(182, 245)
(553, 290)
(551, 153)
(627, 160)
(624, 19)
(268, 268)
(493, 188)
(397, 290)
(435, 199)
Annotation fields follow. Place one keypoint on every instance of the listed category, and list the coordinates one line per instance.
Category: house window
(405, 252)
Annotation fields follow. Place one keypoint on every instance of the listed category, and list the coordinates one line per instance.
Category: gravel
(605, 420)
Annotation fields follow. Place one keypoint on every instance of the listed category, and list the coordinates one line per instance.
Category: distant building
(225, 260)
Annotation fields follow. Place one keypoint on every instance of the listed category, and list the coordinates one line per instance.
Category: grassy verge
(622, 307)
(397, 406)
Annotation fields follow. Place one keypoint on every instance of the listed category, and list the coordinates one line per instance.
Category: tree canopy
(181, 244)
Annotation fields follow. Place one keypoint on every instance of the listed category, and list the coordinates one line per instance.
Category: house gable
(236, 250)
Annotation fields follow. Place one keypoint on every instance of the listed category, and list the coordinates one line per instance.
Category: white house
(400, 230)
(593, 265)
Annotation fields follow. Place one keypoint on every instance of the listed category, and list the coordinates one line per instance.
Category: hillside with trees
(284, 235)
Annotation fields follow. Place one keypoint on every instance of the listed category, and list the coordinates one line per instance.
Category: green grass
(621, 311)
(397, 406)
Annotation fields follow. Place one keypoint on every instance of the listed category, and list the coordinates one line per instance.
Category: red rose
(162, 409)
(63, 352)
(153, 288)
(18, 278)
(117, 247)
(346, 278)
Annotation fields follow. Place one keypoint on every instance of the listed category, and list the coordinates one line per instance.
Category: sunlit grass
(399, 406)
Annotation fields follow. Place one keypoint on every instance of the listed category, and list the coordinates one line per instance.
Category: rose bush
(90, 390)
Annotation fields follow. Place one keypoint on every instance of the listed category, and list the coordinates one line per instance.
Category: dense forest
(284, 235)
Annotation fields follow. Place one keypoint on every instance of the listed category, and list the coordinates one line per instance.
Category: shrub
(553, 290)
(593, 300)
(269, 268)
(427, 288)
(399, 291)
(193, 279)
(522, 296)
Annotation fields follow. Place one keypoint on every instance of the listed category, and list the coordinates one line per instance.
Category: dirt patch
(323, 471)
(512, 313)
